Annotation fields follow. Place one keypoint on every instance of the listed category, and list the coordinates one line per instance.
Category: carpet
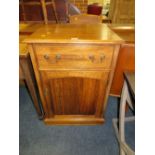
(35, 138)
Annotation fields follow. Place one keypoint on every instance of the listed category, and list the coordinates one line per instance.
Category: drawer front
(74, 56)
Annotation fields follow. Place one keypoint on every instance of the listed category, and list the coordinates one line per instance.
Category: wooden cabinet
(122, 11)
(74, 77)
(126, 57)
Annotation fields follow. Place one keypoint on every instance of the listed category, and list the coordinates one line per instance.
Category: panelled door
(74, 92)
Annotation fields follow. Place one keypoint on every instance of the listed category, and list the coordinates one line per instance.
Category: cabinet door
(74, 92)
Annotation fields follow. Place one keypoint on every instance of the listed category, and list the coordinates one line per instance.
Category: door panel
(73, 95)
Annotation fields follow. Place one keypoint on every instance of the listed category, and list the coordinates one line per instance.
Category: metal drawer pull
(91, 57)
(46, 56)
(58, 57)
(102, 58)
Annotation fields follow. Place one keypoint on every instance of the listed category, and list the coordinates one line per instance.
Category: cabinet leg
(30, 82)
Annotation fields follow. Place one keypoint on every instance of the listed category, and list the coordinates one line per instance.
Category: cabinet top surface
(74, 33)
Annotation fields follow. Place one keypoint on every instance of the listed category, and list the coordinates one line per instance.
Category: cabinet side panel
(126, 62)
(38, 79)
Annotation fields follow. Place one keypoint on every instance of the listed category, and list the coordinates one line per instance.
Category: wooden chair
(128, 93)
(43, 4)
(85, 18)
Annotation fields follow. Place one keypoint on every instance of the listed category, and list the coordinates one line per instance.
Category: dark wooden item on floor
(74, 66)
(126, 57)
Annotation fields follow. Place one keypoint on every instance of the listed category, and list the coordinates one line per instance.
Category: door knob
(46, 56)
(91, 57)
(102, 57)
(58, 57)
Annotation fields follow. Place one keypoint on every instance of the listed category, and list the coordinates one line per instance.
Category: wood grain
(26, 73)
(75, 88)
(75, 33)
(122, 11)
(74, 120)
(73, 56)
(126, 57)
(85, 19)
(72, 94)
(126, 62)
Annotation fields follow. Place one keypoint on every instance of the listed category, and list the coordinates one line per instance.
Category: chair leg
(54, 11)
(124, 96)
(43, 4)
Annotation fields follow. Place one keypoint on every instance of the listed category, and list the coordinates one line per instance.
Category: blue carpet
(39, 139)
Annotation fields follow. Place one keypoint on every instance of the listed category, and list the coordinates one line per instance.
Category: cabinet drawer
(73, 56)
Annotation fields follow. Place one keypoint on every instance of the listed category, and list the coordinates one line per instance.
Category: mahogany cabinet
(74, 75)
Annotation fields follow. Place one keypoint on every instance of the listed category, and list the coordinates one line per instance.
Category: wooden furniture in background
(43, 4)
(122, 11)
(27, 29)
(26, 74)
(74, 66)
(32, 10)
(81, 4)
(94, 9)
(126, 57)
(105, 19)
(85, 18)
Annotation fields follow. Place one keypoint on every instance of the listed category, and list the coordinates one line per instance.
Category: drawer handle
(92, 58)
(102, 58)
(58, 57)
(46, 56)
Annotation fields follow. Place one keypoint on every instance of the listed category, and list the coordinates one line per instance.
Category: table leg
(29, 78)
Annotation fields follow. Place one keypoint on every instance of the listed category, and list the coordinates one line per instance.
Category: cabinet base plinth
(68, 120)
